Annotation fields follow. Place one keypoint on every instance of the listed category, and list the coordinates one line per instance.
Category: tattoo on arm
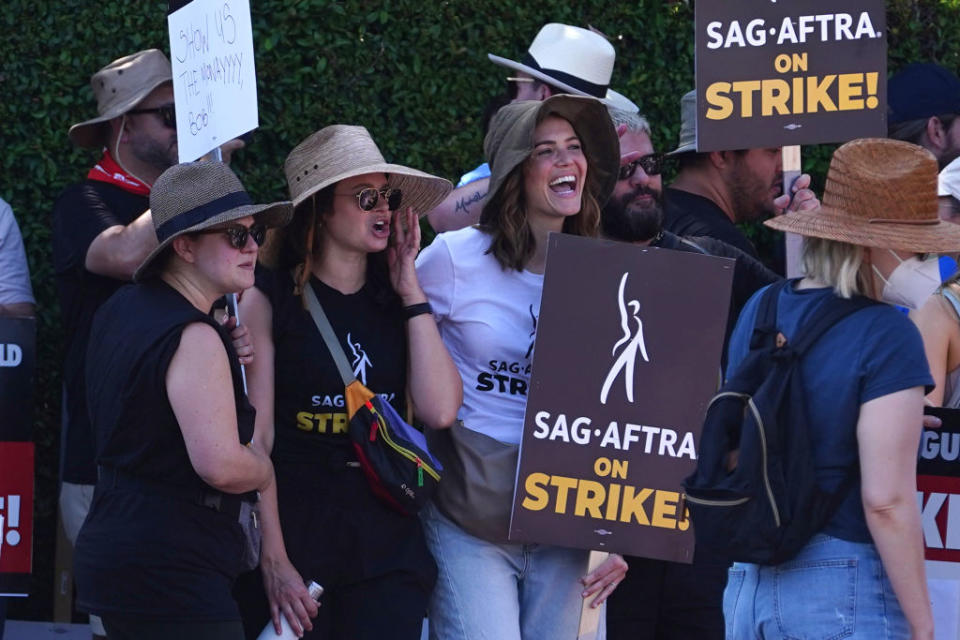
(463, 204)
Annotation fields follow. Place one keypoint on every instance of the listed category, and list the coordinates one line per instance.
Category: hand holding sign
(214, 80)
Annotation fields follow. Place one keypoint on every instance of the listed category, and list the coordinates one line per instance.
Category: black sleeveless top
(152, 551)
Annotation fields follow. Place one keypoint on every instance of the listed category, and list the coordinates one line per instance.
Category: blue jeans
(489, 591)
(832, 589)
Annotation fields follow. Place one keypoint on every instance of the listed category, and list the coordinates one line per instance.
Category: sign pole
(590, 616)
(791, 171)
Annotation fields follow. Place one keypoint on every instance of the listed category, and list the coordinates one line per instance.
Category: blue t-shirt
(871, 353)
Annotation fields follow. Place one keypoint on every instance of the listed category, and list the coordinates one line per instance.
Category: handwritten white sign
(214, 79)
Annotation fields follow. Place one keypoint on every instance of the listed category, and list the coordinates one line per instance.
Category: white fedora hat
(575, 60)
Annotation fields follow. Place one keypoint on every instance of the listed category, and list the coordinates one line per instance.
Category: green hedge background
(414, 72)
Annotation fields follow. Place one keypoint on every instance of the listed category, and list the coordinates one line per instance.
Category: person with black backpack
(806, 474)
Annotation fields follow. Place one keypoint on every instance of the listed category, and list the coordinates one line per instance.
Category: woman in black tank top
(161, 546)
(353, 241)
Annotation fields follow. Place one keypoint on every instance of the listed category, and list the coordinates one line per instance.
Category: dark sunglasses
(652, 165)
(168, 114)
(368, 198)
(237, 234)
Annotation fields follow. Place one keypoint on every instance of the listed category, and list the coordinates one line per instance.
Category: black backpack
(754, 496)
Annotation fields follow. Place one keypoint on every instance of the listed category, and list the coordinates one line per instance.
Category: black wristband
(415, 310)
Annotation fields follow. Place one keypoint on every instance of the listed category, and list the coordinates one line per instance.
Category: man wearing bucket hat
(923, 101)
(178, 470)
(714, 191)
(102, 229)
(561, 59)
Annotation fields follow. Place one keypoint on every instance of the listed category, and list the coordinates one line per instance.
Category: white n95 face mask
(912, 282)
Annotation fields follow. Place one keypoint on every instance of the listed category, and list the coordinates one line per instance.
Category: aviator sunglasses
(168, 114)
(652, 165)
(368, 198)
(237, 234)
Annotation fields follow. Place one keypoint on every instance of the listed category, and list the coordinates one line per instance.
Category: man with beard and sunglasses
(660, 600)
(713, 191)
(103, 229)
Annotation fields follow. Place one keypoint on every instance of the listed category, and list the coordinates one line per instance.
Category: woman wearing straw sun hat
(554, 163)
(862, 575)
(352, 242)
(158, 553)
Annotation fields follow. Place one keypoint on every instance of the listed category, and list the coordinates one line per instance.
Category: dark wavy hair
(504, 218)
(300, 246)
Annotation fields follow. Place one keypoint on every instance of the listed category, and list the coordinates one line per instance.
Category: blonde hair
(834, 263)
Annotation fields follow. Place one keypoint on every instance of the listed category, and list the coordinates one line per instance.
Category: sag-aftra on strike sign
(627, 356)
(773, 73)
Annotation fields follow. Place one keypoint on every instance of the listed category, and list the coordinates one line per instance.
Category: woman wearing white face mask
(862, 574)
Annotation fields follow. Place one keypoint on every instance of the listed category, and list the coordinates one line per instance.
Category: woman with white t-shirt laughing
(553, 165)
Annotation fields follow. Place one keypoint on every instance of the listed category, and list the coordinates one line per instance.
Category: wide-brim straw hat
(195, 196)
(509, 142)
(343, 151)
(574, 60)
(118, 88)
(879, 193)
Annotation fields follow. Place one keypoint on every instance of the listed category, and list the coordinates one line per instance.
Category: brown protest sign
(627, 357)
(771, 73)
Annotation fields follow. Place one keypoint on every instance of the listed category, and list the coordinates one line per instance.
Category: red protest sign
(16, 516)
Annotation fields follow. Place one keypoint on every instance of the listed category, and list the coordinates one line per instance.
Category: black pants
(373, 563)
(134, 628)
(390, 606)
(660, 600)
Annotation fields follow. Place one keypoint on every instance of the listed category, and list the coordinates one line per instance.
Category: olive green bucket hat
(510, 139)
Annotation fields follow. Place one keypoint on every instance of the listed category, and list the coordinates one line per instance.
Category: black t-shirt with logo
(315, 484)
(82, 212)
(310, 412)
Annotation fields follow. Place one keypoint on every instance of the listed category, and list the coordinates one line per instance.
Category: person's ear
(183, 246)
(936, 132)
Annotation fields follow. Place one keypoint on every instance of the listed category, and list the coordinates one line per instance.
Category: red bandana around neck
(107, 170)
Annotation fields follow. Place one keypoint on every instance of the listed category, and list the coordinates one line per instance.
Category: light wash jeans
(832, 589)
(489, 591)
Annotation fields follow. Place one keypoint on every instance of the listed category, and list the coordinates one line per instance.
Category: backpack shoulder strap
(835, 310)
(329, 337)
(765, 323)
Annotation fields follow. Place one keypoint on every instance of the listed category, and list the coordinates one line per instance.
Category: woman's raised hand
(401, 255)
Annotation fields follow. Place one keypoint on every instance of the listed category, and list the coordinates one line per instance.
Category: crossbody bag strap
(328, 335)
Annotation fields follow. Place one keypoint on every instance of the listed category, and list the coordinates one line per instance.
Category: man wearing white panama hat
(561, 59)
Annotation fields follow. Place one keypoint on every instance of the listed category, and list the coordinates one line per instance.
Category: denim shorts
(833, 589)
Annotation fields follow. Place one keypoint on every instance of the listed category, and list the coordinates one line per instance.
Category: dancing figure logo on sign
(626, 361)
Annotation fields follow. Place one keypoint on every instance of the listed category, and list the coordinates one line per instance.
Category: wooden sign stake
(590, 616)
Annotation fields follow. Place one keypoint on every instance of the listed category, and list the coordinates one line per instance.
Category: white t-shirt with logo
(487, 318)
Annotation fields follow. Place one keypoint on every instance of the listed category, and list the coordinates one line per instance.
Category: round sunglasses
(367, 199)
(237, 234)
(652, 165)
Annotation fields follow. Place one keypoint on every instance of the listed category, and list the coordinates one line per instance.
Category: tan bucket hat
(575, 60)
(509, 141)
(343, 151)
(880, 193)
(194, 196)
(118, 88)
